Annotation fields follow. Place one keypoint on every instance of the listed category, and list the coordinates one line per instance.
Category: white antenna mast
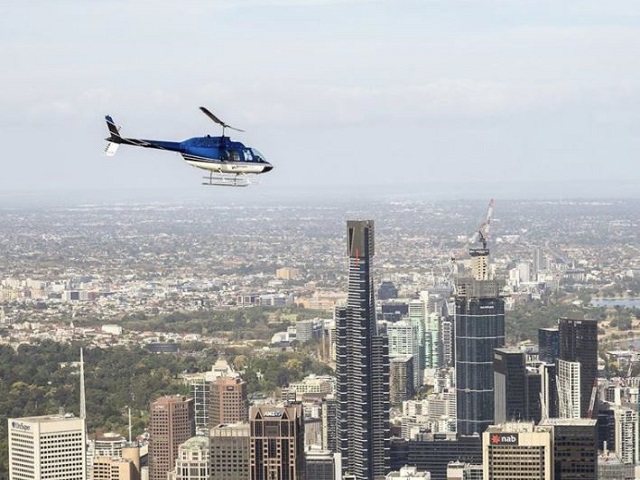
(83, 400)
(129, 425)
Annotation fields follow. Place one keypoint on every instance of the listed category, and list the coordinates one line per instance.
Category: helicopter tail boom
(114, 140)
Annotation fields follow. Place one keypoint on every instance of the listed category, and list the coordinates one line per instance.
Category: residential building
(362, 366)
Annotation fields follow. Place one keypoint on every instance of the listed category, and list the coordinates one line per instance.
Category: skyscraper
(548, 344)
(43, 447)
(509, 385)
(400, 379)
(574, 448)
(229, 401)
(171, 423)
(404, 340)
(362, 366)
(579, 343)
(276, 443)
(479, 329)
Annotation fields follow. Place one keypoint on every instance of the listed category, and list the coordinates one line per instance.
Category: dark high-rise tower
(579, 343)
(362, 367)
(548, 344)
(479, 329)
(509, 375)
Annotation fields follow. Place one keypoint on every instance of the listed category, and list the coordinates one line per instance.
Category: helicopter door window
(248, 157)
(234, 156)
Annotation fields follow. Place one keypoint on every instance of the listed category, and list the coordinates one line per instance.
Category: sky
(444, 97)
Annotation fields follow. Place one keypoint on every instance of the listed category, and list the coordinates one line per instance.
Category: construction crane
(483, 231)
(480, 255)
(481, 235)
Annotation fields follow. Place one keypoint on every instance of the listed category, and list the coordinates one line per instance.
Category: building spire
(83, 401)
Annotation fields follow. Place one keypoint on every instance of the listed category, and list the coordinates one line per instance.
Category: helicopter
(228, 162)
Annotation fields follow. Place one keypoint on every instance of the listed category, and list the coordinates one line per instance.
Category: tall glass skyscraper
(362, 367)
(479, 329)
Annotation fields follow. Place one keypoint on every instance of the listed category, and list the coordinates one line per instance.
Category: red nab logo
(504, 439)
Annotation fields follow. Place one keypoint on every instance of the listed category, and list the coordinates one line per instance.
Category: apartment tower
(362, 366)
(579, 344)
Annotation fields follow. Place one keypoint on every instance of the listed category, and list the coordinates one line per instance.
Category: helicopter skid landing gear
(226, 180)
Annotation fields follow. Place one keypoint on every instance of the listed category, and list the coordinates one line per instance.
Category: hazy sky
(422, 95)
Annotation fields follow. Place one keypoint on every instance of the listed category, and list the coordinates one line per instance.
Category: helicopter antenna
(218, 121)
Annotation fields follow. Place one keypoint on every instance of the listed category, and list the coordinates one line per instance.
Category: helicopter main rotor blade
(217, 120)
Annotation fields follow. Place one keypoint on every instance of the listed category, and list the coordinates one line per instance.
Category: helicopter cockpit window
(248, 156)
(258, 157)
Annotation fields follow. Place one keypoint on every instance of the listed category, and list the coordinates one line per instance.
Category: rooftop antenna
(129, 408)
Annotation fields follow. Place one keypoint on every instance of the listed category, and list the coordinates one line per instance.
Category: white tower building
(403, 340)
(42, 447)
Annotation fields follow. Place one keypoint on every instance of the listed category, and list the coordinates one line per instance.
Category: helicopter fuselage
(215, 154)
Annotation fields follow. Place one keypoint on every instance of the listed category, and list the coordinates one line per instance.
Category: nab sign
(503, 439)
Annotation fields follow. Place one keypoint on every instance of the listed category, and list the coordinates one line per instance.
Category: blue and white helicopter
(228, 162)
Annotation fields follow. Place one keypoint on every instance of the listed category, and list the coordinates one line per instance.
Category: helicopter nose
(267, 168)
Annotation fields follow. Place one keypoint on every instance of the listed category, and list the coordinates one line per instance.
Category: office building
(509, 384)
(362, 366)
(479, 329)
(548, 344)
(579, 343)
(229, 401)
(114, 468)
(276, 450)
(400, 379)
(43, 447)
(517, 450)
(193, 460)
(171, 423)
(532, 388)
(409, 473)
(464, 471)
(574, 448)
(434, 452)
(230, 452)
(321, 465)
